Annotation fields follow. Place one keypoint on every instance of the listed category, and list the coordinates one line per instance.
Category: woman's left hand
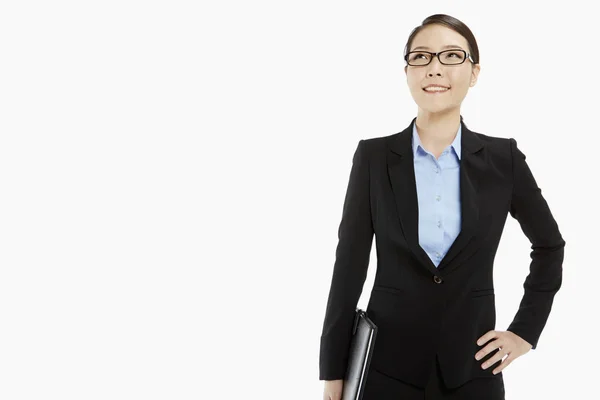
(509, 344)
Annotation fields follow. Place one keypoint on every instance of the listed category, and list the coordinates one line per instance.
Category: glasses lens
(418, 58)
(452, 57)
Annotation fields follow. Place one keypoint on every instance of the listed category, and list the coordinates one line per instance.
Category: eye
(417, 55)
(454, 57)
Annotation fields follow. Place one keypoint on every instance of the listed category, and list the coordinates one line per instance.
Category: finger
(493, 360)
(488, 349)
(504, 364)
(486, 337)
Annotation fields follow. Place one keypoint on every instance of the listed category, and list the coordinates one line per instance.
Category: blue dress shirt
(438, 192)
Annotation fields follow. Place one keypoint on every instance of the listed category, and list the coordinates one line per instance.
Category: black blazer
(423, 311)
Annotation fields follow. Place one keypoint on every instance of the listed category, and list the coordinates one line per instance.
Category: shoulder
(378, 145)
(368, 149)
(499, 148)
(494, 142)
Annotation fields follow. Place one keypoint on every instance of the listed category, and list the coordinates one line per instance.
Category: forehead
(437, 37)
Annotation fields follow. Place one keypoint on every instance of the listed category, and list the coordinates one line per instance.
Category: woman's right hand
(333, 390)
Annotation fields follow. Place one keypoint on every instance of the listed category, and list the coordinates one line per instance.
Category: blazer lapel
(402, 179)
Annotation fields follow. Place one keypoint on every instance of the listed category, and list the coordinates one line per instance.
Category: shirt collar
(456, 144)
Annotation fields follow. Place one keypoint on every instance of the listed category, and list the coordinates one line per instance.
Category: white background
(172, 177)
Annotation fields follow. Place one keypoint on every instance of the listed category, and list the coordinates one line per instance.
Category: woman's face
(459, 77)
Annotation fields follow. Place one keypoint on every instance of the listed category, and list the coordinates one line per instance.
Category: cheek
(462, 82)
(415, 88)
(461, 88)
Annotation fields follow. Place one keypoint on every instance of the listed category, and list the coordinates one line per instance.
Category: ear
(474, 74)
(406, 69)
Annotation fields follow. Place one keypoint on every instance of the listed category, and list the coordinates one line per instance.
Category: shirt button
(437, 279)
(439, 224)
(438, 197)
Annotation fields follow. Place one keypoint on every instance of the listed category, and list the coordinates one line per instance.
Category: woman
(436, 196)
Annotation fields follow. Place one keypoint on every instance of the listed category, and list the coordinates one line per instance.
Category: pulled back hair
(449, 22)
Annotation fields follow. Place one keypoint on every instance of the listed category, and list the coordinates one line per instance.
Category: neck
(438, 129)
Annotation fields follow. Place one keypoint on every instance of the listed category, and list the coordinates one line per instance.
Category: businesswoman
(436, 197)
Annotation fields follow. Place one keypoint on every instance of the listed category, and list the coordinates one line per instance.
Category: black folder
(362, 344)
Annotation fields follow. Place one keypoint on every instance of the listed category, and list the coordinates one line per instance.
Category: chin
(436, 105)
(435, 110)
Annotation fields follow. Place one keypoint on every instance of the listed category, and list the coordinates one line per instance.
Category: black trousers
(383, 387)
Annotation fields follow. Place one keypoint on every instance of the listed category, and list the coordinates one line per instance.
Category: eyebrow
(448, 46)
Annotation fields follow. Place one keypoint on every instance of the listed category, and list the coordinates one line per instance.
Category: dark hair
(452, 23)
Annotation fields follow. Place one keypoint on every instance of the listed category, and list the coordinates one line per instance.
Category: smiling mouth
(436, 91)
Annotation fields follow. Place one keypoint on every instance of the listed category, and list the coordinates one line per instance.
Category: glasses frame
(467, 57)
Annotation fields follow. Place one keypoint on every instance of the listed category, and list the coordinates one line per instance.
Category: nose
(434, 67)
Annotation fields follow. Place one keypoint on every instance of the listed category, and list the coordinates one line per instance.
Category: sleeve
(355, 238)
(530, 209)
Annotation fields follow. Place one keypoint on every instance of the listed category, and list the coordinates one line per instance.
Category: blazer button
(437, 279)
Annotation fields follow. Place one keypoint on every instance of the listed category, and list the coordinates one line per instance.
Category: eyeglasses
(446, 57)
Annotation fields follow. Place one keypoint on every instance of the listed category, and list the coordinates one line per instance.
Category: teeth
(436, 89)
